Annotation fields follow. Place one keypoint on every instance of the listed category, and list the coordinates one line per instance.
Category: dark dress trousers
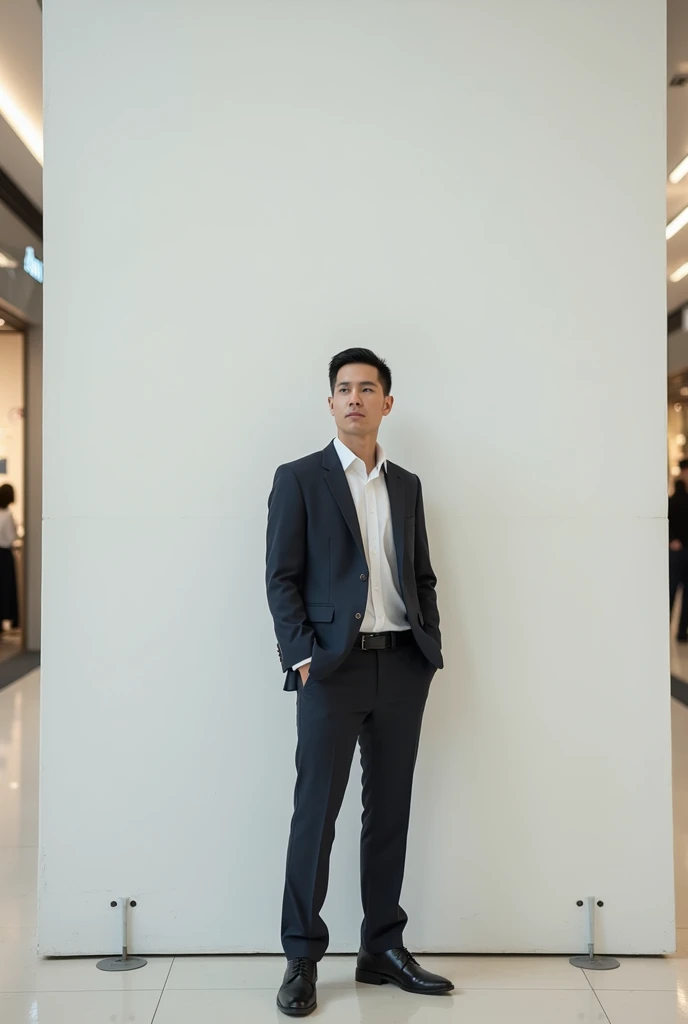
(678, 560)
(317, 587)
(9, 604)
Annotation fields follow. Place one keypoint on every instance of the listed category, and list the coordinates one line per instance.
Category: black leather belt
(383, 641)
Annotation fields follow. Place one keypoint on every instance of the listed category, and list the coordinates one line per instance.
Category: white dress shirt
(385, 610)
(8, 529)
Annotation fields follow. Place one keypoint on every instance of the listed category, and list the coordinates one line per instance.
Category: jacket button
(358, 615)
(363, 577)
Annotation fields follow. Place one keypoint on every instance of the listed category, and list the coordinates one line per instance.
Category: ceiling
(677, 144)
(21, 85)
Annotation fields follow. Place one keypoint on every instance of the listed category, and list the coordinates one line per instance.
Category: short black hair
(6, 496)
(683, 464)
(360, 355)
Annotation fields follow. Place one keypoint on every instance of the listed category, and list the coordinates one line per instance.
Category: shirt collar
(347, 458)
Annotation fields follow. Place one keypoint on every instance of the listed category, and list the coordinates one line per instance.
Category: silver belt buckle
(363, 641)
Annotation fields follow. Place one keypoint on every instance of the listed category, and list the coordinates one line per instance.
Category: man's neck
(365, 448)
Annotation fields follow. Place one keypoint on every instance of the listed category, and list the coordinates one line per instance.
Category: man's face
(359, 403)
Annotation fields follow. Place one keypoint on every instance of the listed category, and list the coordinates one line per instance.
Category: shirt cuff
(306, 662)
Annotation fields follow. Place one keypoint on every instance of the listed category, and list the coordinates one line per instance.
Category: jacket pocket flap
(320, 612)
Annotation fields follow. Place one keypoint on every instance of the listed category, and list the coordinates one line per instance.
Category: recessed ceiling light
(675, 225)
(679, 172)
(6, 262)
(680, 273)
(2, 323)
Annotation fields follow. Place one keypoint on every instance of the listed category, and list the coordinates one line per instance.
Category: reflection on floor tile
(18, 889)
(388, 1005)
(655, 974)
(17, 942)
(78, 1007)
(679, 731)
(508, 972)
(466, 972)
(645, 1007)
(230, 972)
(19, 720)
(24, 974)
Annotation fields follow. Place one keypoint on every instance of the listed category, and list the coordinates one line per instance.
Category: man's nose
(354, 398)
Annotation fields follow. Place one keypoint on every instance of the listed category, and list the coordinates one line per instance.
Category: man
(352, 595)
(678, 549)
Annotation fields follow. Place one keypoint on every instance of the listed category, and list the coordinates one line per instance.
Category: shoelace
(404, 955)
(301, 966)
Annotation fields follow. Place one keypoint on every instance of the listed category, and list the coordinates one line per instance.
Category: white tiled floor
(224, 990)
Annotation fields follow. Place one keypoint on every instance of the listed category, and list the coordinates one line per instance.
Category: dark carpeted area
(17, 666)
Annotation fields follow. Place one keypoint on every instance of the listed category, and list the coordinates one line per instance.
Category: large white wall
(234, 192)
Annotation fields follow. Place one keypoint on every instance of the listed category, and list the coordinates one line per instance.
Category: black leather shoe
(297, 997)
(399, 967)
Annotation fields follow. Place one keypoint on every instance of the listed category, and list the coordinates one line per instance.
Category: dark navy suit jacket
(316, 569)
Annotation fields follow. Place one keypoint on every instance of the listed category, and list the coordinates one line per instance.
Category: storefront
(21, 351)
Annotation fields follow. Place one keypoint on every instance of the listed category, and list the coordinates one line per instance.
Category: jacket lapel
(339, 485)
(397, 503)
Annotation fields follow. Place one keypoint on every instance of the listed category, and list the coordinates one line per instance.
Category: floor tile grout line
(597, 997)
(162, 993)
(69, 991)
(599, 1003)
(328, 987)
(332, 986)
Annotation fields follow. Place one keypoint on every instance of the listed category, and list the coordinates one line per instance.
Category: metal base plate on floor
(117, 963)
(597, 963)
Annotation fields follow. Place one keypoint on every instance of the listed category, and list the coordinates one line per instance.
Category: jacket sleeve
(426, 580)
(285, 562)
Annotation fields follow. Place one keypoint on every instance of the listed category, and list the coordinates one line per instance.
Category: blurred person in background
(9, 605)
(678, 548)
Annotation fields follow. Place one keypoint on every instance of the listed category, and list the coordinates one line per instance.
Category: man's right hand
(675, 545)
(304, 672)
